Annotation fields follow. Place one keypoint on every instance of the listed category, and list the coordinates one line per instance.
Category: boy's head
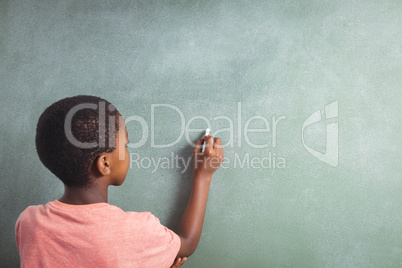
(72, 133)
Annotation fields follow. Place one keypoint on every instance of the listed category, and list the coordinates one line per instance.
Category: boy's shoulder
(107, 211)
(30, 211)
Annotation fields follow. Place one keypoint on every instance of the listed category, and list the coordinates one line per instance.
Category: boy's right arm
(205, 164)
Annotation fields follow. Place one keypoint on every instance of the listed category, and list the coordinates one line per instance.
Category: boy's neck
(83, 196)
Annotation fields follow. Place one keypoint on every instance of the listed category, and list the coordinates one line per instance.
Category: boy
(82, 140)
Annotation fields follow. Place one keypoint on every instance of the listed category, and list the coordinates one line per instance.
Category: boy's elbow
(187, 247)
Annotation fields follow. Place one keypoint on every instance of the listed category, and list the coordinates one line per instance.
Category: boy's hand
(207, 162)
(178, 262)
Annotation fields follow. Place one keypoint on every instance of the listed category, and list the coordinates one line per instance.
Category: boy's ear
(103, 164)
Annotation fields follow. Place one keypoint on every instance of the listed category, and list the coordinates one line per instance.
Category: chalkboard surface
(306, 96)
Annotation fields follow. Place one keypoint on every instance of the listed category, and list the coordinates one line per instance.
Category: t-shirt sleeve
(158, 242)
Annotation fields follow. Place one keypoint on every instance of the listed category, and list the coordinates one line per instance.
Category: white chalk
(203, 144)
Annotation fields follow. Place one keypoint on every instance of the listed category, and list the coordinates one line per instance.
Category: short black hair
(68, 124)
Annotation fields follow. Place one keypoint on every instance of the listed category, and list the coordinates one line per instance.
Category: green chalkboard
(306, 96)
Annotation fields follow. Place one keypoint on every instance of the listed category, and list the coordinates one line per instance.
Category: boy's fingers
(209, 144)
(198, 146)
(218, 147)
(218, 143)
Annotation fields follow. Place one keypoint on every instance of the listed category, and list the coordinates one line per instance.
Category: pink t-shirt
(95, 235)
